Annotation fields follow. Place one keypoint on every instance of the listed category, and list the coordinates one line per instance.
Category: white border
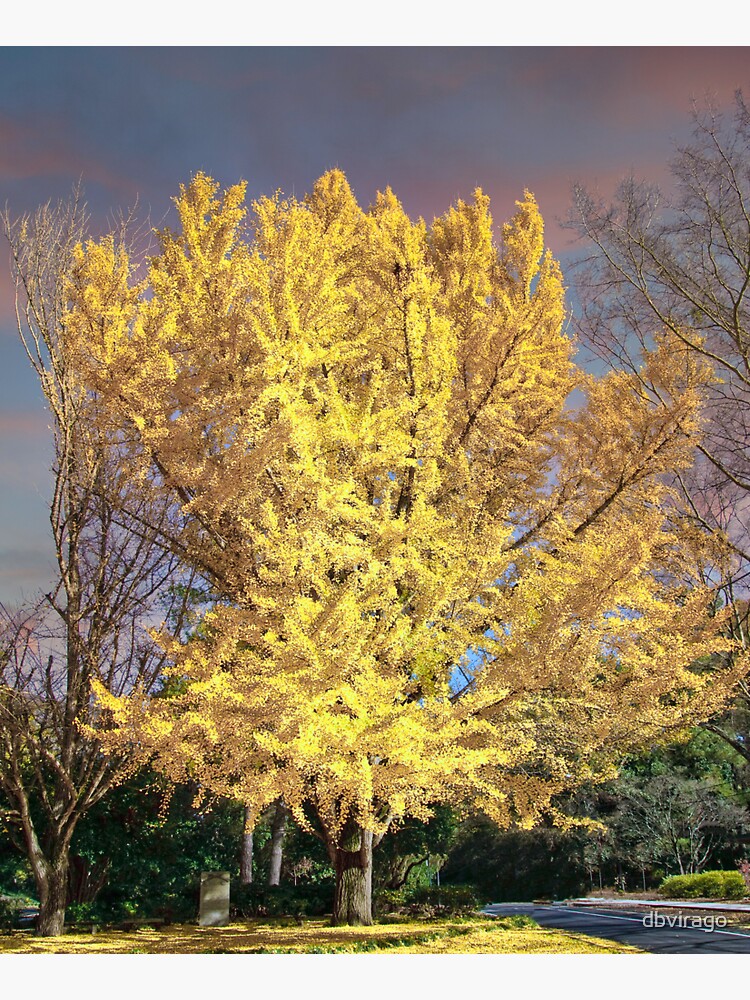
(382, 23)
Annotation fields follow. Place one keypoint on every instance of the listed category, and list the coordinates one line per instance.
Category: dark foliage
(154, 847)
(311, 899)
(516, 865)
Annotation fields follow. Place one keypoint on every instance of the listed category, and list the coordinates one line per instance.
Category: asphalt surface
(629, 928)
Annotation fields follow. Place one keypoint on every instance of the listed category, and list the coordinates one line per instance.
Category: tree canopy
(445, 562)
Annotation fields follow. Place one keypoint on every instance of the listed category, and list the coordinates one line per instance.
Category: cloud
(632, 87)
(29, 422)
(225, 69)
(553, 191)
(7, 302)
(40, 149)
(26, 560)
(41, 162)
(672, 78)
(24, 574)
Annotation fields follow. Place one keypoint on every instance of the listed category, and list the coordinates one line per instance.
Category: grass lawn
(436, 937)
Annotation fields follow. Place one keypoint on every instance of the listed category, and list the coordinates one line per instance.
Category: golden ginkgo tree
(444, 558)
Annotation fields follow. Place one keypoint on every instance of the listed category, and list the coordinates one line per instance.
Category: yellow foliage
(438, 577)
(491, 936)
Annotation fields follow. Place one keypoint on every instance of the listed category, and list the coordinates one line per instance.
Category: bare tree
(113, 579)
(672, 820)
(681, 263)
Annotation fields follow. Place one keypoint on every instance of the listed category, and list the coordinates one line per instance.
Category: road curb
(672, 904)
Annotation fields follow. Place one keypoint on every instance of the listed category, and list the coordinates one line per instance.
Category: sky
(432, 122)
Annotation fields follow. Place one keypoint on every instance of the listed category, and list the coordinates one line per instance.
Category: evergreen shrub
(709, 885)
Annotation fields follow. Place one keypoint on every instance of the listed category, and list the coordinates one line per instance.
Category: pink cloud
(7, 299)
(635, 86)
(30, 153)
(432, 195)
(674, 77)
(24, 573)
(41, 150)
(552, 189)
(34, 422)
(553, 192)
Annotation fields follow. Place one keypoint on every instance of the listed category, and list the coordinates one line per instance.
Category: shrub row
(316, 899)
(712, 885)
(428, 901)
(309, 899)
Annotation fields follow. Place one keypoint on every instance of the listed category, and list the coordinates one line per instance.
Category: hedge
(711, 885)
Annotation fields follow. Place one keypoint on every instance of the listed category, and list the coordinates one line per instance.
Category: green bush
(519, 921)
(82, 913)
(734, 885)
(674, 886)
(445, 899)
(710, 885)
(106, 911)
(388, 900)
(446, 895)
(310, 899)
(8, 909)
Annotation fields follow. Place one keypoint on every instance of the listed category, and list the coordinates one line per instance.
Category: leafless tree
(113, 579)
(668, 819)
(681, 262)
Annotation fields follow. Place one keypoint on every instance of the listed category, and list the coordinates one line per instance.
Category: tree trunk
(246, 860)
(352, 857)
(53, 898)
(278, 832)
(50, 868)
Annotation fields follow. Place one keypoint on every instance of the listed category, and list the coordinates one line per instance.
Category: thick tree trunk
(352, 857)
(53, 898)
(246, 860)
(278, 832)
(50, 868)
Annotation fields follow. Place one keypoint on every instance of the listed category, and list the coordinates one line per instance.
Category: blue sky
(431, 122)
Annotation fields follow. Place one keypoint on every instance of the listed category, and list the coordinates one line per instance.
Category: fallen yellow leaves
(489, 937)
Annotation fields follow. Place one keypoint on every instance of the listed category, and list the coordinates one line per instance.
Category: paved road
(629, 929)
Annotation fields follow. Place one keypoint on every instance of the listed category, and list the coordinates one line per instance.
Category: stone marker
(214, 909)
